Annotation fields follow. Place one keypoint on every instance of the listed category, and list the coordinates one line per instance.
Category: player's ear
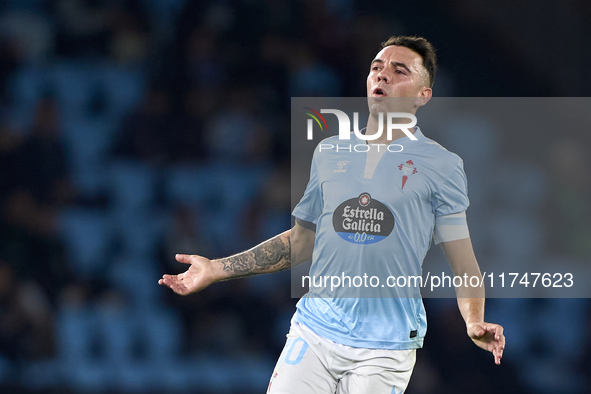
(425, 95)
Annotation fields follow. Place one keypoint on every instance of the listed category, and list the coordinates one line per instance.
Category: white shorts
(311, 364)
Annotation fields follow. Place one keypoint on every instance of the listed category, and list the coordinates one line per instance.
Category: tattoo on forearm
(270, 256)
(238, 263)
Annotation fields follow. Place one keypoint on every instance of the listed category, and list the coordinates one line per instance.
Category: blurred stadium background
(115, 118)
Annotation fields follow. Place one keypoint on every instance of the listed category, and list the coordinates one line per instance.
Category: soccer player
(367, 345)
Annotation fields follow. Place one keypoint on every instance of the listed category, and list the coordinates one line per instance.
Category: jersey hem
(363, 343)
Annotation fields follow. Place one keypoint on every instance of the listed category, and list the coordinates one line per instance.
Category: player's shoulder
(441, 153)
(442, 162)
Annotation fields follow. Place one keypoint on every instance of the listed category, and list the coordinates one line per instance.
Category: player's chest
(395, 179)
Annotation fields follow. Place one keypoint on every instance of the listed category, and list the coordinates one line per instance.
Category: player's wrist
(475, 329)
(218, 274)
(472, 322)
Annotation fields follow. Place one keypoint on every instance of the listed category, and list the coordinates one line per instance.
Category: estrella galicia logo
(363, 220)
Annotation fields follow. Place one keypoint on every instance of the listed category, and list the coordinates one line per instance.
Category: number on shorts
(302, 350)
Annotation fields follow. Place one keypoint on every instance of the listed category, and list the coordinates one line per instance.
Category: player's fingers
(497, 356)
(493, 331)
(500, 339)
(499, 349)
(169, 280)
(183, 258)
(498, 330)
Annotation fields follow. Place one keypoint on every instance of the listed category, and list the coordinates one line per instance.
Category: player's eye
(400, 72)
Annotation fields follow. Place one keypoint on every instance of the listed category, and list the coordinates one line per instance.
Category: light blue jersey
(376, 218)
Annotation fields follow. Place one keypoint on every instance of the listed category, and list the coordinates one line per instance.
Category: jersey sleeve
(310, 206)
(449, 205)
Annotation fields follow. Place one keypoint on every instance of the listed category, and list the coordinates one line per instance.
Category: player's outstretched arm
(289, 248)
(488, 336)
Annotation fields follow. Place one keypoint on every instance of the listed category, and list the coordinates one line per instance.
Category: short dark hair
(421, 46)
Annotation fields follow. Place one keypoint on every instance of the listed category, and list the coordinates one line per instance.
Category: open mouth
(378, 92)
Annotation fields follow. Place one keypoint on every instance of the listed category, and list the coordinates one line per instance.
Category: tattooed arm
(270, 256)
(279, 253)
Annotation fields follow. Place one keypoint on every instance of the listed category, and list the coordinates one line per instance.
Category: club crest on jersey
(364, 199)
(363, 220)
(407, 169)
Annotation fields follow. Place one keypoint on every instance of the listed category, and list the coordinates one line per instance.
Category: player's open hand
(196, 278)
(489, 337)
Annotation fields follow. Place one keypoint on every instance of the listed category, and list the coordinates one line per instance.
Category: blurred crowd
(134, 130)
